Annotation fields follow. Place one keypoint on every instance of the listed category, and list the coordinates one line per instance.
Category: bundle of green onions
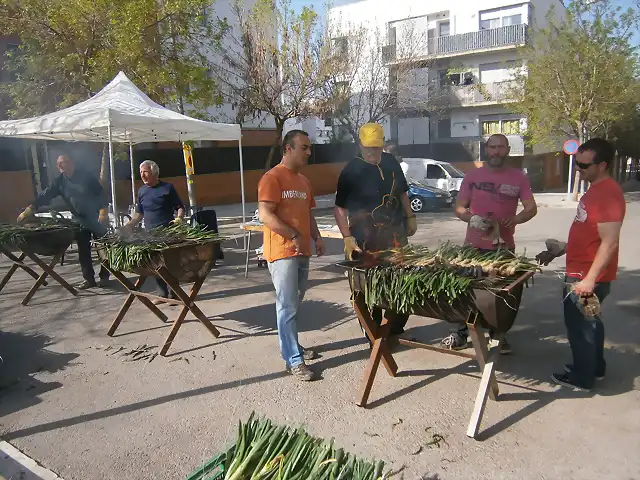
(264, 451)
(14, 235)
(408, 276)
(128, 251)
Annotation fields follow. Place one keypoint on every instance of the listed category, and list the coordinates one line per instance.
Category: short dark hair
(290, 136)
(502, 135)
(603, 149)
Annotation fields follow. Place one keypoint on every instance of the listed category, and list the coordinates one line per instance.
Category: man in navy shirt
(157, 202)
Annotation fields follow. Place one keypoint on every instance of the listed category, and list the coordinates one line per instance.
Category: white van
(433, 173)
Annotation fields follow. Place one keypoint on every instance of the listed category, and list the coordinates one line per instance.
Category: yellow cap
(372, 135)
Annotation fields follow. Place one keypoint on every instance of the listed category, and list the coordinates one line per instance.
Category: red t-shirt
(603, 203)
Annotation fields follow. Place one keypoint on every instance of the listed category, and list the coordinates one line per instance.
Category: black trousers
(83, 239)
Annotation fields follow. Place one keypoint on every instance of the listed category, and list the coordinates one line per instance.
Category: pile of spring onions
(128, 251)
(406, 277)
(264, 451)
(14, 235)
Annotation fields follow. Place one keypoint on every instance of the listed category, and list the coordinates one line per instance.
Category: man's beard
(497, 161)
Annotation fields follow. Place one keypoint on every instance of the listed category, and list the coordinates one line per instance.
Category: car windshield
(451, 170)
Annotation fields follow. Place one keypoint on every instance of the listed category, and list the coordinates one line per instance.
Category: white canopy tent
(122, 113)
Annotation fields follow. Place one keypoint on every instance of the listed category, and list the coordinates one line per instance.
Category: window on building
(444, 128)
(506, 127)
(511, 127)
(490, 127)
(341, 45)
(489, 23)
(512, 20)
(10, 73)
(443, 29)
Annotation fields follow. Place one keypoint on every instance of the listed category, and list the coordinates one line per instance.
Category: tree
(274, 61)
(71, 48)
(378, 77)
(581, 72)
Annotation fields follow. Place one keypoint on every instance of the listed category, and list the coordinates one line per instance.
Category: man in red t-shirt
(592, 264)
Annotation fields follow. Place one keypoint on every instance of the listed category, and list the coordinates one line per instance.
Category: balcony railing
(419, 97)
(470, 95)
(508, 36)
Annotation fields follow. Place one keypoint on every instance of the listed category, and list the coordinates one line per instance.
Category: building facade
(451, 69)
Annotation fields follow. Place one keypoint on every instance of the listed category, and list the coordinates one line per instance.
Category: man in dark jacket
(85, 198)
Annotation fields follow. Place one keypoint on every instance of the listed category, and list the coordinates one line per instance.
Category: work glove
(412, 226)
(177, 221)
(350, 246)
(554, 249)
(103, 218)
(480, 223)
(25, 214)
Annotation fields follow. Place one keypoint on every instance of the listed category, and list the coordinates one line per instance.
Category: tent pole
(112, 174)
(244, 214)
(133, 176)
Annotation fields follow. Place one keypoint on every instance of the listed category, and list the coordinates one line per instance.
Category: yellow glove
(412, 226)
(177, 221)
(350, 246)
(26, 213)
(103, 218)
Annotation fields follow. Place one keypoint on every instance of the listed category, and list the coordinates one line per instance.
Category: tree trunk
(576, 181)
(275, 146)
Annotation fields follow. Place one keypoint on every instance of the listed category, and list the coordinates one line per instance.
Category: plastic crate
(212, 470)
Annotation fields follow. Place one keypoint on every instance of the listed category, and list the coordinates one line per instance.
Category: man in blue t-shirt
(157, 202)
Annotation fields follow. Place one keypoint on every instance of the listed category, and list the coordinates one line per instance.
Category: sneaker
(308, 354)
(569, 368)
(454, 341)
(86, 285)
(566, 381)
(302, 372)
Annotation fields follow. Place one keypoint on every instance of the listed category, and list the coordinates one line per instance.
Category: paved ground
(72, 401)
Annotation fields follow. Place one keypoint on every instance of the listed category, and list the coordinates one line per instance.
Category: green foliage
(71, 48)
(582, 73)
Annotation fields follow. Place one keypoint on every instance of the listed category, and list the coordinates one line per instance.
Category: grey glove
(556, 247)
(480, 223)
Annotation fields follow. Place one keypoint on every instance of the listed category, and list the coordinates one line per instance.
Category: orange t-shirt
(602, 203)
(291, 192)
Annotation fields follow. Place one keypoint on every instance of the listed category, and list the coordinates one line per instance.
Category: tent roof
(133, 117)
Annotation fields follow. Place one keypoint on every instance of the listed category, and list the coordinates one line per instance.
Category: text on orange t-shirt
(602, 203)
(292, 194)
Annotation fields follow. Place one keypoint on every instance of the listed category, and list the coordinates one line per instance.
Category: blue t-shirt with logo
(158, 204)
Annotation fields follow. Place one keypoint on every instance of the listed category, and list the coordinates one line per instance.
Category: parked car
(433, 173)
(424, 198)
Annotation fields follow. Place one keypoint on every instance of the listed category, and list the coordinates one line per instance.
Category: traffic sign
(570, 147)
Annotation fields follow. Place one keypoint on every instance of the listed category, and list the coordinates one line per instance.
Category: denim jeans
(83, 240)
(289, 276)
(586, 335)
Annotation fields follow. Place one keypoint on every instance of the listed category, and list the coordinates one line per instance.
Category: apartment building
(456, 83)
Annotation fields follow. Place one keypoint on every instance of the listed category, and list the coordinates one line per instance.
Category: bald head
(65, 165)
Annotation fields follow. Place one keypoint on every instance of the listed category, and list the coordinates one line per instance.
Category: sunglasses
(584, 166)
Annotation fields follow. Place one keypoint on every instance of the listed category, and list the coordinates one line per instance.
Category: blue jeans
(289, 276)
(586, 336)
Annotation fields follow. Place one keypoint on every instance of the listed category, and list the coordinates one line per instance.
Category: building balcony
(425, 98)
(510, 36)
(477, 95)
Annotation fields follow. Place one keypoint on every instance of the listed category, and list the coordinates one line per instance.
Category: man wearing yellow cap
(372, 206)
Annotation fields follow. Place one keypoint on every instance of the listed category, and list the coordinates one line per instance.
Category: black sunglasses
(584, 166)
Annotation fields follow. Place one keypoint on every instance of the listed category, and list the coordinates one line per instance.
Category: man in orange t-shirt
(592, 263)
(285, 200)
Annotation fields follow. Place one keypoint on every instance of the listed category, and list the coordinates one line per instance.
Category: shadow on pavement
(24, 355)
